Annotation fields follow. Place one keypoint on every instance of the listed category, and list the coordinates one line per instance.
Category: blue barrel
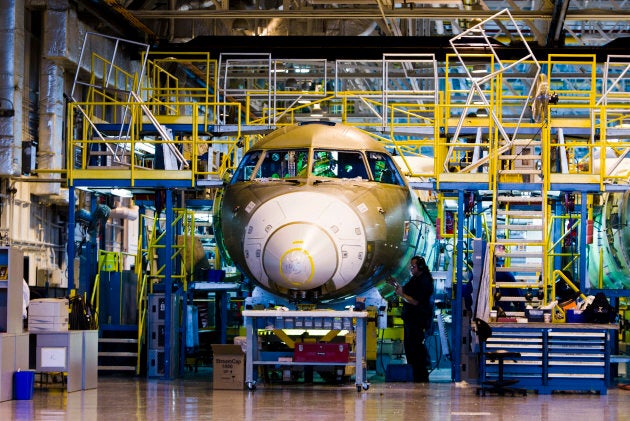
(24, 385)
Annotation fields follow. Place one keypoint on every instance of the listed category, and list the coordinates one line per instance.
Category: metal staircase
(522, 160)
(518, 251)
(117, 342)
(117, 350)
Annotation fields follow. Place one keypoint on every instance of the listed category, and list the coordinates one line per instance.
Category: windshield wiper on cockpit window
(277, 180)
(319, 181)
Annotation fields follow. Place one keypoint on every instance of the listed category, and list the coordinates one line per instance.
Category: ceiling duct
(11, 83)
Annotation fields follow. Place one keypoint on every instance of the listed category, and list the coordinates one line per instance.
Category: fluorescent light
(482, 112)
(146, 147)
(122, 193)
(479, 68)
(312, 332)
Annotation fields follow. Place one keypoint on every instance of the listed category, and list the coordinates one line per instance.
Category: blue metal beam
(457, 304)
(168, 283)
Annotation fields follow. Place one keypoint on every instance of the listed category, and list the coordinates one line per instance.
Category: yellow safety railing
(130, 156)
(108, 261)
(150, 272)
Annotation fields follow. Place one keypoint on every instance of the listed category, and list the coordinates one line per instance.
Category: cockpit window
(383, 169)
(338, 164)
(283, 163)
(246, 167)
(291, 163)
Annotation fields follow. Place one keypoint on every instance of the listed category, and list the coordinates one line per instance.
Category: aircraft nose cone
(300, 256)
(303, 240)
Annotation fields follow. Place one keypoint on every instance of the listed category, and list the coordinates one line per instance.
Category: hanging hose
(81, 316)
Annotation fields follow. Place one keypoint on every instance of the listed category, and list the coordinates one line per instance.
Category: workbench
(304, 319)
(554, 356)
(74, 352)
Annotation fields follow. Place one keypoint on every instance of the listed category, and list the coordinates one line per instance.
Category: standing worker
(417, 316)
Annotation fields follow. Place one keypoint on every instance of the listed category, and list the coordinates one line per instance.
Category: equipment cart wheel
(364, 386)
(251, 385)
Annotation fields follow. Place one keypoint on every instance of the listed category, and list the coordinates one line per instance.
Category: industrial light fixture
(482, 112)
(479, 69)
(291, 83)
(317, 110)
(312, 332)
(122, 193)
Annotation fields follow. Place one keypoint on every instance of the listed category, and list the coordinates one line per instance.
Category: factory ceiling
(586, 25)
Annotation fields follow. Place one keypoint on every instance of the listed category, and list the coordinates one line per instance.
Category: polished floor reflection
(193, 398)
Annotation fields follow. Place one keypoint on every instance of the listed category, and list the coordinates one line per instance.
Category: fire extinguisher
(449, 222)
(571, 236)
(589, 231)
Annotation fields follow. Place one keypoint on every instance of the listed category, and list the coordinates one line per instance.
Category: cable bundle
(81, 316)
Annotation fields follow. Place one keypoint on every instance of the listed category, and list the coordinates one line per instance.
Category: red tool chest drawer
(321, 353)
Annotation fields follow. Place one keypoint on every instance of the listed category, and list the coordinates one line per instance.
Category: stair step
(527, 278)
(518, 157)
(513, 269)
(520, 213)
(117, 354)
(118, 340)
(518, 227)
(520, 199)
(517, 284)
(521, 171)
(525, 142)
(519, 254)
(117, 367)
(519, 241)
(108, 153)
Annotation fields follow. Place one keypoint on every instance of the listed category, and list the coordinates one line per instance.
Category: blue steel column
(457, 305)
(168, 282)
(582, 242)
(556, 232)
(71, 228)
(180, 293)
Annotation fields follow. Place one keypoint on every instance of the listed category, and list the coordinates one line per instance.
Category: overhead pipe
(51, 98)
(11, 86)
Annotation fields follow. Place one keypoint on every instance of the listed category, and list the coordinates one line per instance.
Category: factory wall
(39, 57)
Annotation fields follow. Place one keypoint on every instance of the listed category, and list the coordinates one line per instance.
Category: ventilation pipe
(11, 86)
(369, 30)
(51, 99)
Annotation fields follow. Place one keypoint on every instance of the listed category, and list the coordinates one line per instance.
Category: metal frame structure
(418, 107)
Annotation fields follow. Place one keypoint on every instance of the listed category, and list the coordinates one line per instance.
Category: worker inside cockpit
(324, 164)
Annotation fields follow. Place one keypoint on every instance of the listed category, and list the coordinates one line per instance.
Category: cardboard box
(320, 352)
(228, 367)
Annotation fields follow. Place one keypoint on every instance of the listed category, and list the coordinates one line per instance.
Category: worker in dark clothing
(417, 316)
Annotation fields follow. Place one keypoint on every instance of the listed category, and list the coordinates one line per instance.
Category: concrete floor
(193, 397)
